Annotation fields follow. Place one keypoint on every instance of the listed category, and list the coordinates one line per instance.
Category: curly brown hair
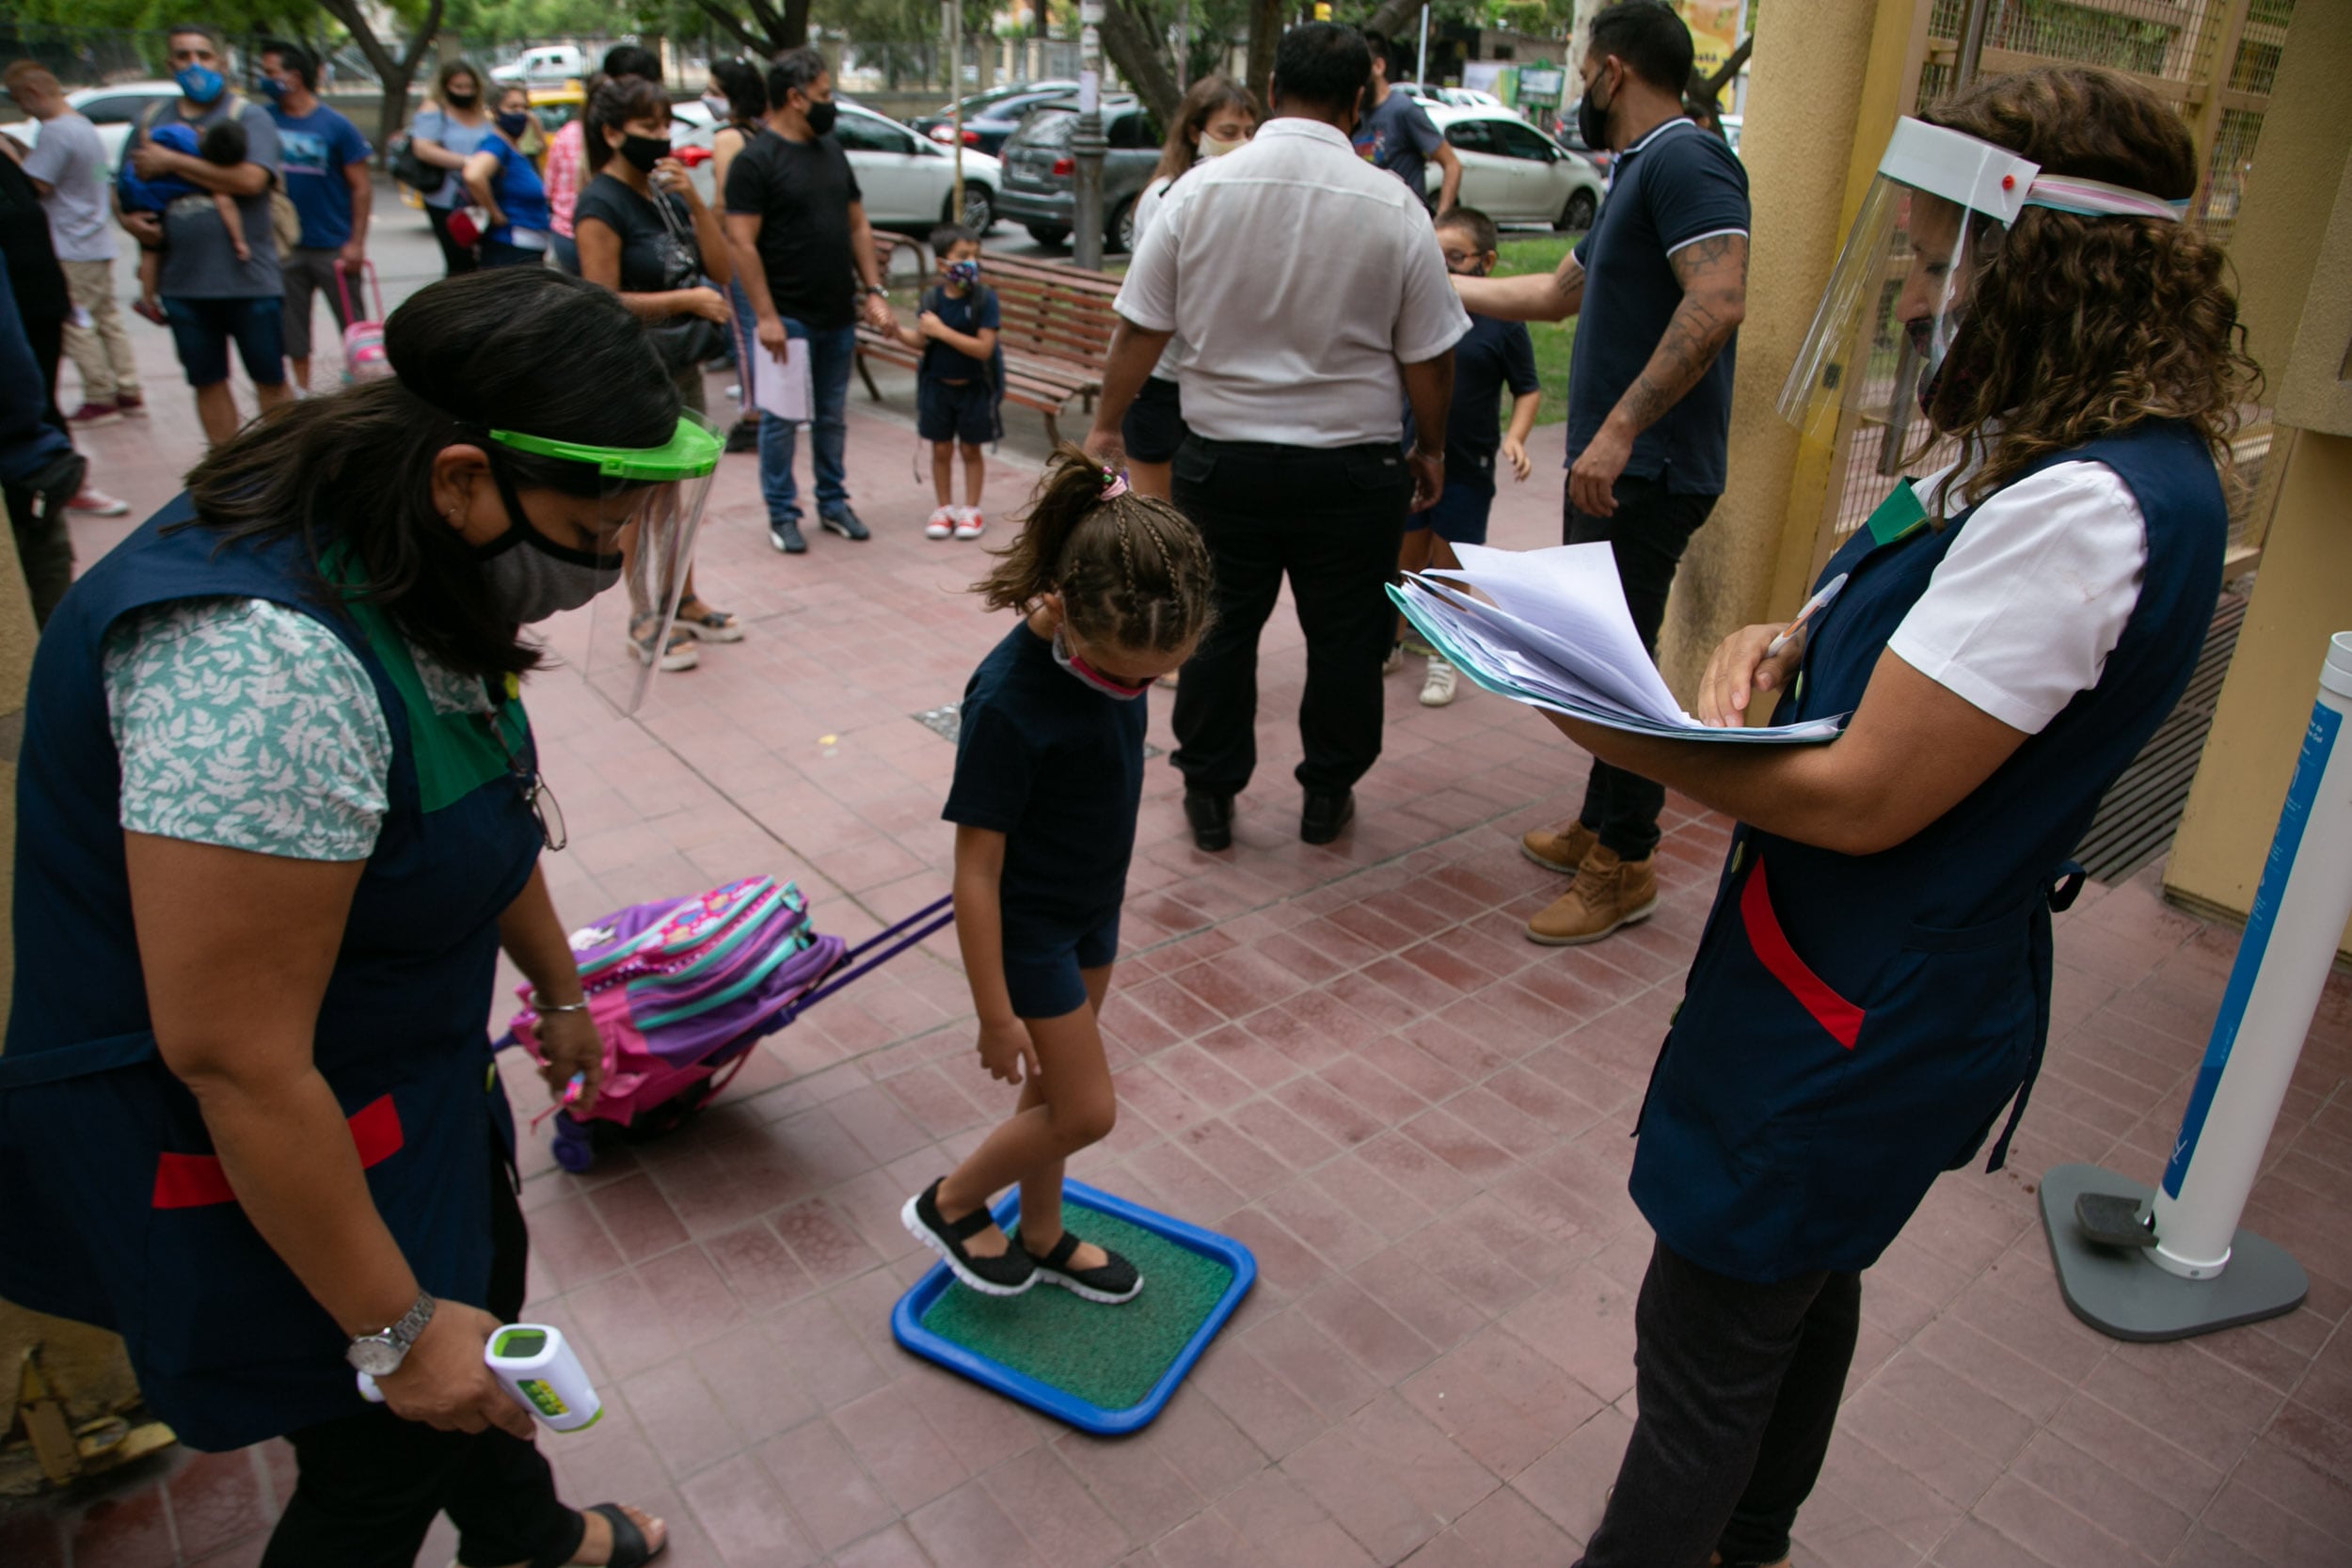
(2077, 328)
(1132, 570)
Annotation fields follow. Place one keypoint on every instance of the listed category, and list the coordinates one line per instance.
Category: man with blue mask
(211, 297)
(326, 169)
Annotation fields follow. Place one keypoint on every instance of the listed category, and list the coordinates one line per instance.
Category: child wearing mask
(223, 146)
(1495, 354)
(957, 386)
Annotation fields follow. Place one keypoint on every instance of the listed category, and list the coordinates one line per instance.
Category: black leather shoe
(1325, 815)
(1212, 819)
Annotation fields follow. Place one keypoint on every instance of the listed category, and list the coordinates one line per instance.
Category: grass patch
(1542, 253)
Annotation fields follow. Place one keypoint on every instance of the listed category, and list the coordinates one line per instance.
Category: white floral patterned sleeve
(249, 725)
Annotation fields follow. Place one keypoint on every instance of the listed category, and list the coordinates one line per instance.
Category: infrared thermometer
(538, 1370)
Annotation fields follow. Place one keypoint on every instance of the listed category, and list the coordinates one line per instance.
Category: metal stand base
(2123, 1293)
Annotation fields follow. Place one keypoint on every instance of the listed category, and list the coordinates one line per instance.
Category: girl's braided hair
(1132, 570)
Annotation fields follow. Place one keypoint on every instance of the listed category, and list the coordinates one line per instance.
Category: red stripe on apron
(196, 1180)
(1832, 1013)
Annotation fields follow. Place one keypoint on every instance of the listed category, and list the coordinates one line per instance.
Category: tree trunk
(770, 30)
(1134, 48)
(1394, 17)
(394, 71)
(1266, 31)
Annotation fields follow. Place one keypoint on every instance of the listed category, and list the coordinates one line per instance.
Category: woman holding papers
(1873, 984)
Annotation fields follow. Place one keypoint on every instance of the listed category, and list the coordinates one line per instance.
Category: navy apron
(1852, 1025)
(115, 1210)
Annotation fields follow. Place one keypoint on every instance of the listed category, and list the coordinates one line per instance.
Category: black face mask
(1592, 118)
(645, 151)
(513, 126)
(464, 100)
(821, 115)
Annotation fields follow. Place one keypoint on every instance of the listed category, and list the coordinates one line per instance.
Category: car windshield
(1048, 128)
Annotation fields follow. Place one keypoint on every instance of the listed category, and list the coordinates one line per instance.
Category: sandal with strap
(708, 624)
(628, 1543)
(1009, 1273)
(1114, 1282)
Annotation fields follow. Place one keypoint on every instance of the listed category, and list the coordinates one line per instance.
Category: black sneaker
(1116, 1281)
(744, 434)
(1212, 819)
(785, 534)
(1325, 816)
(1009, 1273)
(56, 484)
(844, 523)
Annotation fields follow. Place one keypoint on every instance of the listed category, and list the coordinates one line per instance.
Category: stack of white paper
(1552, 631)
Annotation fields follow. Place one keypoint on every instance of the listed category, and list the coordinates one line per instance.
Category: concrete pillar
(2292, 253)
(1825, 84)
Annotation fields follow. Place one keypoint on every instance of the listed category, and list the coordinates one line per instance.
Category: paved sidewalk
(1346, 1057)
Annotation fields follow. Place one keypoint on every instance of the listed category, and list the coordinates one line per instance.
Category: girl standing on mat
(1113, 588)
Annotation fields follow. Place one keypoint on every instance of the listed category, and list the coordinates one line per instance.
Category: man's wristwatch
(379, 1355)
(877, 290)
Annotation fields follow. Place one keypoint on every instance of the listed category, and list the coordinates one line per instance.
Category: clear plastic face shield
(637, 535)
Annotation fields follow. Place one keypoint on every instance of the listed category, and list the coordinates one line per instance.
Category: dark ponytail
(1132, 570)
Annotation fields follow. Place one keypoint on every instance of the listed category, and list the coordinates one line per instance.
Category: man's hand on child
(1006, 1052)
(1514, 452)
(930, 325)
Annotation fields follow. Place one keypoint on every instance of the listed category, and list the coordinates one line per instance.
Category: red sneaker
(91, 415)
(131, 403)
(93, 501)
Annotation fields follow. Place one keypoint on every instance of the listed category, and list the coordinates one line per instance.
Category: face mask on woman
(462, 100)
(1216, 146)
(514, 125)
(540, 577)
(642, 152)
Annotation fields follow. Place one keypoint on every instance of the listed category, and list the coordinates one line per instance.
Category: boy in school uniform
(955, 384)
(1495, 354)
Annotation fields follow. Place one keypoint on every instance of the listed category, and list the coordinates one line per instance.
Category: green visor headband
(690, 453)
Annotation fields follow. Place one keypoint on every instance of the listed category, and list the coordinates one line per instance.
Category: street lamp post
(1086, 145)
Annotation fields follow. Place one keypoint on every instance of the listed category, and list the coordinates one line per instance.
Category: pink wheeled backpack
(364, 358)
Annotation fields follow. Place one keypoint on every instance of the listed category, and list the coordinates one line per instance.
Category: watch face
(374, 1354)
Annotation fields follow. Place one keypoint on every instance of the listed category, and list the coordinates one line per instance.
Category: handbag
(684, 341)
(414, 172)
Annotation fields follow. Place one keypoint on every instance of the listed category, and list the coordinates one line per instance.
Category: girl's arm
(430, 152)
(981, 938)
(481, 169)
(979, 345)
(534, 938)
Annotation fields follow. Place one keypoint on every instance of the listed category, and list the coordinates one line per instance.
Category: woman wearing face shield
(1872, 987)
(280, 813)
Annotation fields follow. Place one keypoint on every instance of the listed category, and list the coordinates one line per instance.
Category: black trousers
(44, 544)
(1738, 1386)
(1647, 535)
(1331, 518)
(455, 258)
(368, 1486)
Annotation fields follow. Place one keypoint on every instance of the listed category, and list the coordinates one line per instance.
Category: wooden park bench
(1054, 328)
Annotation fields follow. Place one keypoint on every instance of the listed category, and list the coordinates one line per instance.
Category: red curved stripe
(196, 1180)
(1832, 1013)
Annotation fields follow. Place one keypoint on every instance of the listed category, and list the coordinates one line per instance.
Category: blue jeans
(831, 352)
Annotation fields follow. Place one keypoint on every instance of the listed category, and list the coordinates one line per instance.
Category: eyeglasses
(1463, 258)
(538, 798)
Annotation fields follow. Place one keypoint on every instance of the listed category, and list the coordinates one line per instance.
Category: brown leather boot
(1559, 851)
(1608, 892)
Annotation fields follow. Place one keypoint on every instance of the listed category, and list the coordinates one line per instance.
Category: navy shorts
(1461, 515)
(955, 411)
(1044, 973)
(1154, 426)
(201, 330)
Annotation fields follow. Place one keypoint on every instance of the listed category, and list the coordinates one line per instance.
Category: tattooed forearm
(1714, 273)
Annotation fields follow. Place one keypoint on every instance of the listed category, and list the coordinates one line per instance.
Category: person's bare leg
(944, 472)
(1156, 479)
(217, 411)
(975, 470)
(1041, 1190)
(275, 394)
(596, 1546)
(301, 373)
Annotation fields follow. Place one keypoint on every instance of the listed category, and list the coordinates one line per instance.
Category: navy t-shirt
(1057, 766)
(1676, 186)
(314, 151)
(1397, 134)
(1495, 354)
(971, 315)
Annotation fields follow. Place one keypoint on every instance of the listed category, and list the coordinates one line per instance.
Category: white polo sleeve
(2033, 595)
(1148, 296)
(1430, 319)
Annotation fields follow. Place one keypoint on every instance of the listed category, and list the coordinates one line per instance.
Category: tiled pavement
(1349, 1059)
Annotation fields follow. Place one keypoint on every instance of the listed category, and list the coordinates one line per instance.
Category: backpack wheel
(571, 1147)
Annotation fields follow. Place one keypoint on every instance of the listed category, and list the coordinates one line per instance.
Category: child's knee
(972, 453)
(1087, 1123)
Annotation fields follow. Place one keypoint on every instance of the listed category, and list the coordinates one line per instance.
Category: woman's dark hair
(1653, 41)
(1132, 570)
(512, 347)
(1322, 65)
(747, 95)
(450, 71)
(617, 101)
(1202, 102)
(293, 58)
(2076, 327)
(632, 59)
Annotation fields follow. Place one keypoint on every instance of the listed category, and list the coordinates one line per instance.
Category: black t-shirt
(653, 258)
(802, 192)
(1057, 766)
(34, 276)
(1494, 354)
(971, 315)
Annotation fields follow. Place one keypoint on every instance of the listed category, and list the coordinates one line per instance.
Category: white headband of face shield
(1992, 179)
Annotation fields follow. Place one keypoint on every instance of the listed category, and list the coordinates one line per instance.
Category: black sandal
(1009, 1273)
(628, 1543)
(1116, 1281)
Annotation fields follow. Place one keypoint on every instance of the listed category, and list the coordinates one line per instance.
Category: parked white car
(116, 111)
(543, 67)
(1514, 173)
(908, 182)
(1457, 98)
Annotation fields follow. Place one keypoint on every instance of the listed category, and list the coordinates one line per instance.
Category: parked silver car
(1041, 172)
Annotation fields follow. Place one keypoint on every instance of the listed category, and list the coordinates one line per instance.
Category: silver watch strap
(412, 1322)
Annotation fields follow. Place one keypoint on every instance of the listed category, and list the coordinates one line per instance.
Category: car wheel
(1044, 234)
(1579, 212)
(1120, 236)
(979, 208)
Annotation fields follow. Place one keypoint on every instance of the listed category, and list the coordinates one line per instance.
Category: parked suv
(1041, 172)
(991, 118)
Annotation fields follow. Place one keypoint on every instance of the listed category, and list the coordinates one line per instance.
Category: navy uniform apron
(1852, 1025)
(115, 1211)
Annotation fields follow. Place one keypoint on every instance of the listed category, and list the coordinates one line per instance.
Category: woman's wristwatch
(379, 1355)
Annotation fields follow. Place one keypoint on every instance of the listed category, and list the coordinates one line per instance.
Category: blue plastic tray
(906, 1319)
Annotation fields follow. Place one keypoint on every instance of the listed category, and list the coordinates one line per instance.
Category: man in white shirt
(68, 166)
(1303, 286)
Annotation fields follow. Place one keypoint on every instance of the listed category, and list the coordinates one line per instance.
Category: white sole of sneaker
(921, 1232)
(1086, 1293)
(1634, 918)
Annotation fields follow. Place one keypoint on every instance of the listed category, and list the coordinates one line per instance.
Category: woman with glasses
(280, 816)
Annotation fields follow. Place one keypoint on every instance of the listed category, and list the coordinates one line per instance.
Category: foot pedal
(2113, 1219)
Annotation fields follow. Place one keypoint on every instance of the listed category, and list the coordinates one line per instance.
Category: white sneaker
(969, 523)
(1436, 687)
(94, 502)
(943, 524)
(1395, 660)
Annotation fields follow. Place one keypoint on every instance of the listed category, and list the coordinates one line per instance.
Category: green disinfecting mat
(1102, 1368)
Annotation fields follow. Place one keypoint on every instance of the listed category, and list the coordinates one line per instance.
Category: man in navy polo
(1650, 398)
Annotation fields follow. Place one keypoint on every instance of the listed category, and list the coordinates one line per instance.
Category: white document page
(782, 389)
